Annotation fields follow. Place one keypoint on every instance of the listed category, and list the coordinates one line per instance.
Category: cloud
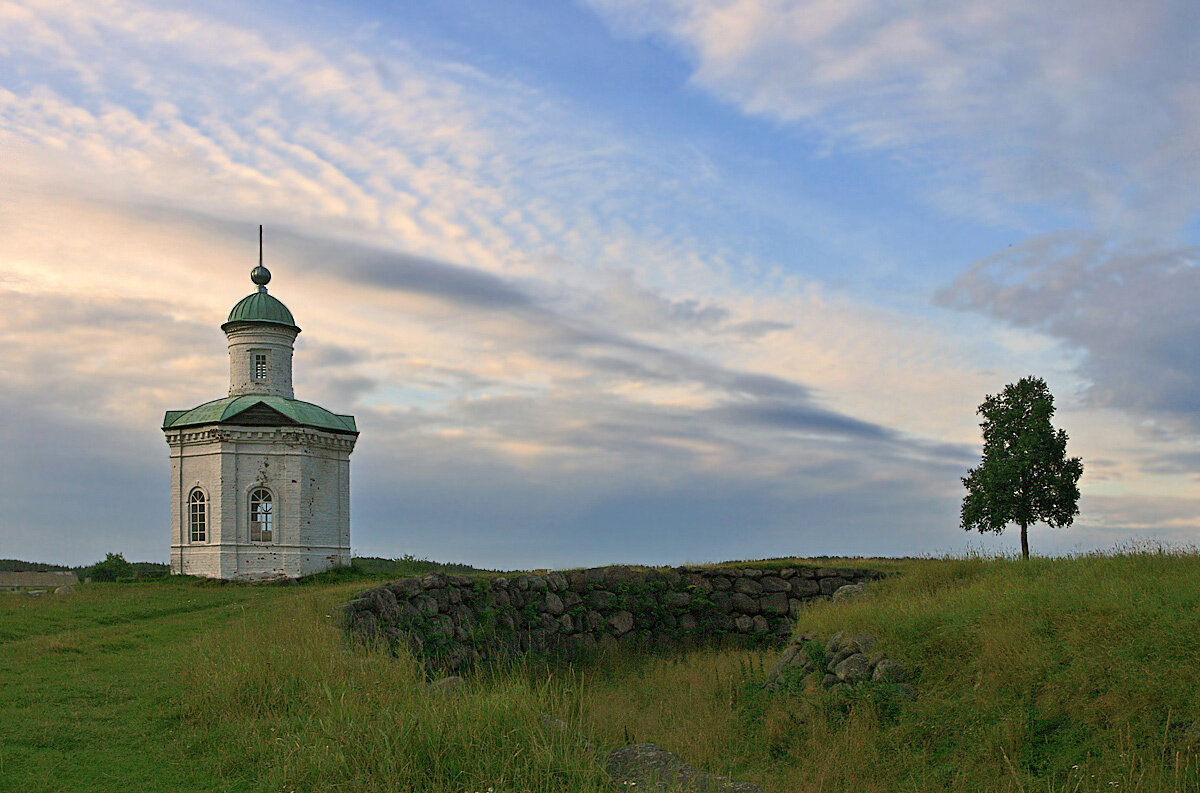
(1131, 311)
(594, 425)
(1093, 107)
(550, 330)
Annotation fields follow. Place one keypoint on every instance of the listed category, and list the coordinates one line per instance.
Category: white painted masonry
(274, 341)
(229, 448)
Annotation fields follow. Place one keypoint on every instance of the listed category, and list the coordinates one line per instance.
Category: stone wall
(455, 621)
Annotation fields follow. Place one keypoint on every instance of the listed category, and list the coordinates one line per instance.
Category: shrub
(113, 567)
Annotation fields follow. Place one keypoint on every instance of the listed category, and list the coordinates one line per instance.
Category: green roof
(274, 411)
(261, 307)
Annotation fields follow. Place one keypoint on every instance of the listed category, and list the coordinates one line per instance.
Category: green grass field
(1052, 675)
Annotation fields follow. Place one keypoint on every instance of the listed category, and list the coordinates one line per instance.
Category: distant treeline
(410, 565)
(18, 566)
(365, 565)
(141, 569)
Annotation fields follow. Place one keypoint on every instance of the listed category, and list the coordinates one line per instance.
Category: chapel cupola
(261, 332)
(260, 480)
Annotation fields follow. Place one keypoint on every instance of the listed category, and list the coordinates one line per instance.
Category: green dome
(261, 307)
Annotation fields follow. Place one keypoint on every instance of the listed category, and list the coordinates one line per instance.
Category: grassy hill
(1052, 675)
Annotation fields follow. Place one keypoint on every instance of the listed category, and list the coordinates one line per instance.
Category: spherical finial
(261, 276)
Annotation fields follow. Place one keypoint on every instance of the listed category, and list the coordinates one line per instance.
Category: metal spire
(260, 275)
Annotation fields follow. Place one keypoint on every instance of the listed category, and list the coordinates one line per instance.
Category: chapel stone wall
(305, 470)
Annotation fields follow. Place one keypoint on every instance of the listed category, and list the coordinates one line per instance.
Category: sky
(607, 281)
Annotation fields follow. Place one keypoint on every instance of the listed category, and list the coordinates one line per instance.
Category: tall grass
(1056, 675)
(1051, 675)
(282, 693)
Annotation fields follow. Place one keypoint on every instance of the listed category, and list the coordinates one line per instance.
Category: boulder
(865, 642)
(747, 586)
(853, 669)
(848, 591)
(841, 655)
(804, 587)
(621, 622)
(65, 589)
(554, 604)
(794, 663)
(598, 599)
(426, 605)
(887, 669)
(383, 602)
(721, 601)
(743, 603)
(676, 599)
(831, 585)
(549, 623)
(644, 766)
(771, 583)
(406, 587)
(621, 574)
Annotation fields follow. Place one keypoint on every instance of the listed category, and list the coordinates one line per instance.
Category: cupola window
(261, 515)
(197, 516)
(259, 360)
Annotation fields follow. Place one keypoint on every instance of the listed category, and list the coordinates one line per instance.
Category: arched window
(262, 515)
(197, 516)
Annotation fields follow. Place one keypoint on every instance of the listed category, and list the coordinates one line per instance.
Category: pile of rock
(843, 661)
(644, 766)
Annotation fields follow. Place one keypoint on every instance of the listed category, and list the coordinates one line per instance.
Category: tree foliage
(1025, 475)
(113, 567)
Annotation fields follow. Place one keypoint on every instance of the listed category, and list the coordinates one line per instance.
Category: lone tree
(1025, 475)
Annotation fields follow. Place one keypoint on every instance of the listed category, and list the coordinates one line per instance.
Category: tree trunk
(1024, 543)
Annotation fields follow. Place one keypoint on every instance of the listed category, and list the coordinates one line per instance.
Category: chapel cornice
(291, 437)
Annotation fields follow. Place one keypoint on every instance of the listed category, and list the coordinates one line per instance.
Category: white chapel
(260, 481)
